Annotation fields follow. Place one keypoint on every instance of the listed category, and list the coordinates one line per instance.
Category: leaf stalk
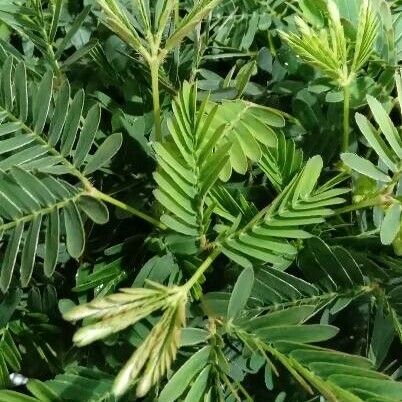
(346, 117)
(125, 207)
(201, 269)
(154, 64)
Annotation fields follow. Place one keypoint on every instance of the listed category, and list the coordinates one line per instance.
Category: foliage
(188, 211)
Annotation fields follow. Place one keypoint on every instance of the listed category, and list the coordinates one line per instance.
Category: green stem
(322, 299)
(50, 52)
(154, 67)
(372, 202)
(201, 269)
(289, 366)
(125, 207)
(231, 387)
(346, 117)
(42, 212)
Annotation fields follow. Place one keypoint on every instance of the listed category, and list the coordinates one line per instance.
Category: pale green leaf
(105, 153)
(75, 236)
(364, 167)
(391, 224)
(29, 250)
(184, 375)
(95, 209)
(241, 292)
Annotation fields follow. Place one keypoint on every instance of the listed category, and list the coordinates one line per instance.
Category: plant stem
(42, 212)
(346, 117)
(372, 202)
(201, 269)
(125, 207)
(154, 67)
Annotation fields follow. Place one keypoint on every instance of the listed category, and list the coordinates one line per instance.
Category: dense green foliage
(200, 200)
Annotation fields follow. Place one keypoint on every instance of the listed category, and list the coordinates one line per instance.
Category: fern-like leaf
(265, 237)
(155, 356)
(134, 28)
(333, 280)
(335, 375)
(39, 23)
(248, 128)
(116, 312)
(330, 50)
(317, 48)
(189, 165)
(37, 205)
(31, 203)
(285, 337)
(281, 163)
(27, 141)
(366, 35)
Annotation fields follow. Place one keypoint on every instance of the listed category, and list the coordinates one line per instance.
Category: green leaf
(383, 335)
(330, 268)
(95, 209)
(42, 101)
(190, 164)
(187, 24)
(8, 305)
(193, 336)
(386, 388)
(13, 144)
(75, 236)
(12, 396)
(72, 122)
(241, 292)
(303, 333)
(60, 114)
(247, 127)
(376, 141)
(199, 386)
(87, 135)
(387, 127)
(55, 19)
(300, 203)
(290, 316)
(51, 242)
(364, 167)
(102, 276)
(72, 31)
(281, 163)
(33, 186)
(82, 383)
(21, 90)
(42, 392)
(29, 250)
(10, 257)
(391, 224)
(243, 77)
(184, 375)
(9, 128)
(104, 153)
(6, 81)
(366, 35)
(308, 178)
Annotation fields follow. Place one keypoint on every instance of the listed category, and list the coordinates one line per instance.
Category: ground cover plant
(200, 200)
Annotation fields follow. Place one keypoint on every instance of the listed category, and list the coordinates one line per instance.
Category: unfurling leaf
(116, 312)
(153, 358)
